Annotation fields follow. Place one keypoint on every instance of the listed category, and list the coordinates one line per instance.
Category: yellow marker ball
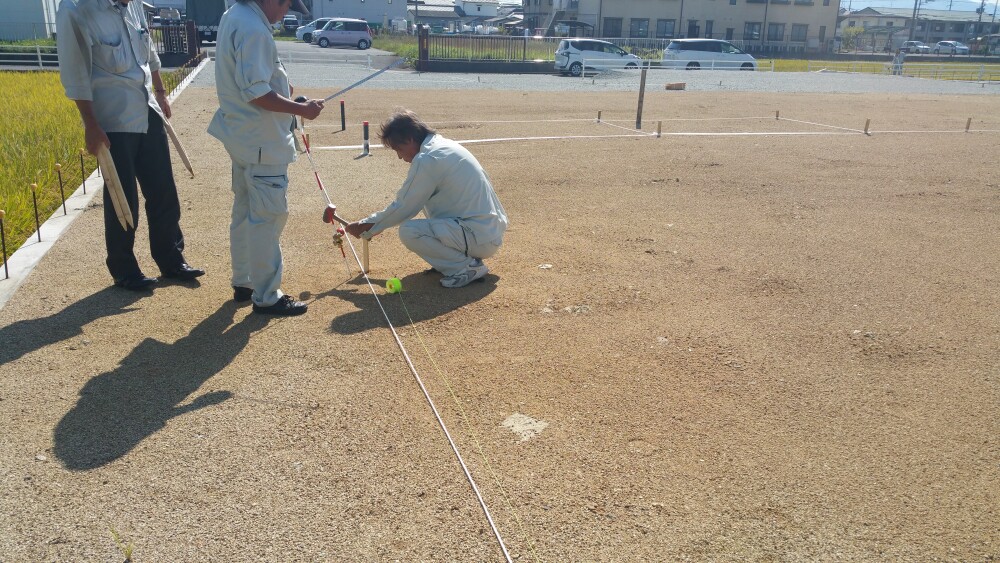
(393, 285)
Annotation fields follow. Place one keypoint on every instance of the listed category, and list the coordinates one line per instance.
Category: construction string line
(469, 429)
(413, 369)
(437, 415)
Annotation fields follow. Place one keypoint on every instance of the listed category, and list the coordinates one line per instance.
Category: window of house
(751, 31)
(729, 33)
(775, 32)
(799, 32)
(851, 23)
(826, 2)
(732, 2)
(888, 24)
(612, 27)
(665, 28)
(638, 27)
(709, 24)
(822, 33)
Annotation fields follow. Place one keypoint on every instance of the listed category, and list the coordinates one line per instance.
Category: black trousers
(146, 158)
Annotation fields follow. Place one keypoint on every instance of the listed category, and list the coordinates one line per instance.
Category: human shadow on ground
(24, 337)
(422, 295)
(120, 408)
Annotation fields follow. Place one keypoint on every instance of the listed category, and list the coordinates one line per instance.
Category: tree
(849, 38)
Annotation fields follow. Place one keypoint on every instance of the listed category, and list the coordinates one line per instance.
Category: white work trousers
(260, 211)
(444, 244)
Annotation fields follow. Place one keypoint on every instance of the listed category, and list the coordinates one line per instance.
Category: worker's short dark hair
(403, 126)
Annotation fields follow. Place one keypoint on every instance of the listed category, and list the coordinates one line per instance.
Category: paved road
(312, 67)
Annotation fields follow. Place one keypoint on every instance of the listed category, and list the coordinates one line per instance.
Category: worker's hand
(357, 228)
(311, 108)
(95, 137)
(161, 98)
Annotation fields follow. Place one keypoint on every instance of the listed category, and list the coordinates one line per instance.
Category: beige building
(932, 25)
(794, 26)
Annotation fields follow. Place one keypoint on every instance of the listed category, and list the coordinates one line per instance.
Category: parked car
(573, 56)
(951, 48)
(344, 31)
(918, 47)
(305, 32)
(290, 23)
(713, 54)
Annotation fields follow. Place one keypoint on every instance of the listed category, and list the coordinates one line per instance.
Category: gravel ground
(777, 343)
(336, 76)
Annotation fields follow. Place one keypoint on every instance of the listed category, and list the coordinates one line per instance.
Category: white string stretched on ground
(627, 128)
(444, 428)
(578, 119)
(820, 124)
(497, 140)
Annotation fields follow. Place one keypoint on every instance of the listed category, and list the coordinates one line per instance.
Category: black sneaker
(242, 294)
(286, 306)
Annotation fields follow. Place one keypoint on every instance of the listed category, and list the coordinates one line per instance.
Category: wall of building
(378, 12)
(27, 19)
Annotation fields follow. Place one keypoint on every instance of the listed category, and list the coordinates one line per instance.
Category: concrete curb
(22, 262)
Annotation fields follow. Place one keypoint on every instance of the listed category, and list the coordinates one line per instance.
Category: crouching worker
(464, 222)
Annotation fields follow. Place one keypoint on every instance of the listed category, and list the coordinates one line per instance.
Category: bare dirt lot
(747, 347)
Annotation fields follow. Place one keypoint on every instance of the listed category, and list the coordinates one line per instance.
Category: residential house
(894, 25)
(378, 13)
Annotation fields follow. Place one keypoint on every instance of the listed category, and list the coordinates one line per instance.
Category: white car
(951, 48)
(344, 31)
(711, 54)
(918, 47)
(573, 56)
(305, 33)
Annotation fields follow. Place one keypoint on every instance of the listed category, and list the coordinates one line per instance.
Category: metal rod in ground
(365, 152)
(34, 202)
(659, 127)
(62, 193)
(642, 94)
(3, 243)
(867, 123)
(343, 117)
(777, 114)
(598, 116)
(364, 254)
(83, 175)
(968, 124)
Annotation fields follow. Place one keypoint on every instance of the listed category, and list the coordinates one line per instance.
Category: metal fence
(934, 71)
(512, 48)
(38, 56)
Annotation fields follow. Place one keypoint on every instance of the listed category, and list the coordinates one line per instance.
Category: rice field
(39, 127)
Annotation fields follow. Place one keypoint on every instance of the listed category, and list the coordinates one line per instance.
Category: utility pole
(913, 20)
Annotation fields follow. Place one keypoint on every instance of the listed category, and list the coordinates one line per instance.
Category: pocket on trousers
(268, 198)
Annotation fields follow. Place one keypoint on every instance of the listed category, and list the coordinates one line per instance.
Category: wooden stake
(867, 123)
(598, 116)
(968, 124)
(642, 94)
(659, 126)
(777, 114)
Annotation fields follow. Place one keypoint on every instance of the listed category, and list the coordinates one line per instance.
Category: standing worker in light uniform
(108, 66)
(465, 221)
(254, 122)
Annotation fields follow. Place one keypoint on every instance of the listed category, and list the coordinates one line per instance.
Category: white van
(344, 31)
(574, 55)
(709, 54)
